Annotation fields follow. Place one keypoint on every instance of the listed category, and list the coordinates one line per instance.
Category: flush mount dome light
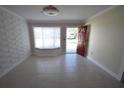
(50, 11)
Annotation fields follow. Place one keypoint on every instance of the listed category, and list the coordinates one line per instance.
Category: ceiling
(67, 12)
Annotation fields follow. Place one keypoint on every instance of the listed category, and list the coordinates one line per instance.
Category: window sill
(47, 48)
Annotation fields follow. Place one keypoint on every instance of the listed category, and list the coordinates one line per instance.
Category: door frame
(88, 38)
(75, 26)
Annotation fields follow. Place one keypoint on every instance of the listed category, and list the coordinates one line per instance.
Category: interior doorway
(71, 39)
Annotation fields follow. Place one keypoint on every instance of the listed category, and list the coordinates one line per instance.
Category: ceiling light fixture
(50, 11)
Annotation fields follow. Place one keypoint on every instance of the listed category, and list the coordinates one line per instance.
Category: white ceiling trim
(100, 13)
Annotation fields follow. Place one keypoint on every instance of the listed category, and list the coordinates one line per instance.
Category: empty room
(61, 46)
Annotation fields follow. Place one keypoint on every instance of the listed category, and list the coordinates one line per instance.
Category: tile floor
(65, 71)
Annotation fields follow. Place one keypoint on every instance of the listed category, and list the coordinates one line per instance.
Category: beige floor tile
(68, 70)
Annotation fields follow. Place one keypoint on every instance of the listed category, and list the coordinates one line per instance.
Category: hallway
(68, 70)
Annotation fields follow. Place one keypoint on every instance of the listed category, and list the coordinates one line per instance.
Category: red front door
(82, 41)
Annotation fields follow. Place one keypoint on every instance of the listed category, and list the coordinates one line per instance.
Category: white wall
(106, 43)
(52, 52)
(14, 40)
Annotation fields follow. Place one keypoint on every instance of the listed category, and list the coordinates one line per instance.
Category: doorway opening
(71, 39)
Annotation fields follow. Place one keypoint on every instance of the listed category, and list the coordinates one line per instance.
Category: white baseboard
(105, 69)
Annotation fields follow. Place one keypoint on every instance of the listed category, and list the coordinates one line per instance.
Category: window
(46, 37)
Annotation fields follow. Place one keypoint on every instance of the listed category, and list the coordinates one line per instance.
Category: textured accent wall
(14, 41)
